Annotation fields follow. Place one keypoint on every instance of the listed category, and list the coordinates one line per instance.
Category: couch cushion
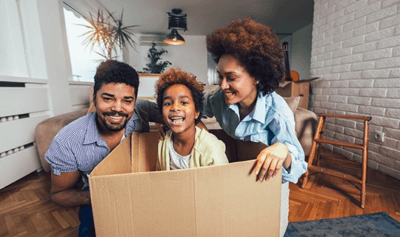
(47, 130)
(293, 102)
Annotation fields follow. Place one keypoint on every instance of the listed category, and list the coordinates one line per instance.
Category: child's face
(178, 110)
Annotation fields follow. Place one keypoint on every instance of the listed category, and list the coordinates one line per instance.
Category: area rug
(377, 224)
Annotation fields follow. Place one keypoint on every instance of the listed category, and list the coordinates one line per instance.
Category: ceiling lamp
(176, 21)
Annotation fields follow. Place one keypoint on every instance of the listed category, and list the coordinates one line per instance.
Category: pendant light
(176, 20)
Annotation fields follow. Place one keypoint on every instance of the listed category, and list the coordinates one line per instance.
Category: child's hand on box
(270, 160)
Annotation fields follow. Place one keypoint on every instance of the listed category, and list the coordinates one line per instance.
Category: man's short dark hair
(112, 71)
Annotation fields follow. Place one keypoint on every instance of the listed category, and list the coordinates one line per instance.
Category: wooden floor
(25, 208)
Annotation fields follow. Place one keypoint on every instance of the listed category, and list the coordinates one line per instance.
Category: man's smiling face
(115, 103)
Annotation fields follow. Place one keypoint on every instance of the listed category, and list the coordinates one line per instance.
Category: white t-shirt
(177, 161)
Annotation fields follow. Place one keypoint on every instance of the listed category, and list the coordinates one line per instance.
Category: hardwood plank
(313, 212)
(61, 232)
(320, 213)
(3, 227)
(69, 218)
(19, 225)
(52, 220)
(25, 233)
(64, 224)
(10, 224)
(37, 223)
(28, 225)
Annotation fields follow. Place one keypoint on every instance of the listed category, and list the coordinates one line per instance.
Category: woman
(250, 67)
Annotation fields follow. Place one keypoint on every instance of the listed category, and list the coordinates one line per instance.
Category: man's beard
(113, 127)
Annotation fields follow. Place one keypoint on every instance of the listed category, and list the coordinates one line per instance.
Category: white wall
(191, 57)
(57, 66)
(300, 56)
(356, 52)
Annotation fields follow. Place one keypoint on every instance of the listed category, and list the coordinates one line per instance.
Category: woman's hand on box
(270, 161)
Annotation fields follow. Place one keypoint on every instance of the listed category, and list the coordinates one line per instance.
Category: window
(84, 61)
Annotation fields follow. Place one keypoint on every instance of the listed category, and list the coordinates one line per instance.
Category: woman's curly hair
(177, 76)
(255, 46)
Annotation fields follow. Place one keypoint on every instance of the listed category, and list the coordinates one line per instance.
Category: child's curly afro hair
(255, 46)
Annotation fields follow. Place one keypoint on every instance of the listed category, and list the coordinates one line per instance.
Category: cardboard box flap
(117, 162)
(219, 200)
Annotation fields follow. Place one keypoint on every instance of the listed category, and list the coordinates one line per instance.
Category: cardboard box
(292, 89)
(130, 200)
(296, 88)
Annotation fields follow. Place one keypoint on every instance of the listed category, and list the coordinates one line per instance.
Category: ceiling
(203, 16)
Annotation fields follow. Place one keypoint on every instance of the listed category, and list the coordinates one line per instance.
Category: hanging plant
(108, 33)
(155, 65)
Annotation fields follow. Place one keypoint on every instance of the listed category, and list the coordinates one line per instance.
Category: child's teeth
(176, 120)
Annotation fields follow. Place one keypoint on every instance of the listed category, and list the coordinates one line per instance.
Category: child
(180, 99)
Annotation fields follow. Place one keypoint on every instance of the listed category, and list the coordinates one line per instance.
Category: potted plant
(108, 33)
(156, 66)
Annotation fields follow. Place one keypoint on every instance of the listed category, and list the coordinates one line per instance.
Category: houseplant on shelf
(156, 66)
(108, 33)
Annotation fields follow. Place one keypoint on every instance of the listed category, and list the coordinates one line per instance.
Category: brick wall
(356, 52)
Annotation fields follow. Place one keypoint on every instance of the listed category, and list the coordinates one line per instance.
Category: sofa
(306, 122)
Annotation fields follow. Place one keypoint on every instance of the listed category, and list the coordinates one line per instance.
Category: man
(84, 143)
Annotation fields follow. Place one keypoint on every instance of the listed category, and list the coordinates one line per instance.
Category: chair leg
(363, 183)
(364, 165)
(321, 136)
(313, 150)
(319, 155)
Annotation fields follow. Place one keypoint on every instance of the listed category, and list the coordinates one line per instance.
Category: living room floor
(26, 209)
(329, 197)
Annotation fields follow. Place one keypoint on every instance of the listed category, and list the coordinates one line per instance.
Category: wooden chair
(318, 139)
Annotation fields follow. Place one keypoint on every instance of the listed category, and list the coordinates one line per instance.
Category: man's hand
(270, 161)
